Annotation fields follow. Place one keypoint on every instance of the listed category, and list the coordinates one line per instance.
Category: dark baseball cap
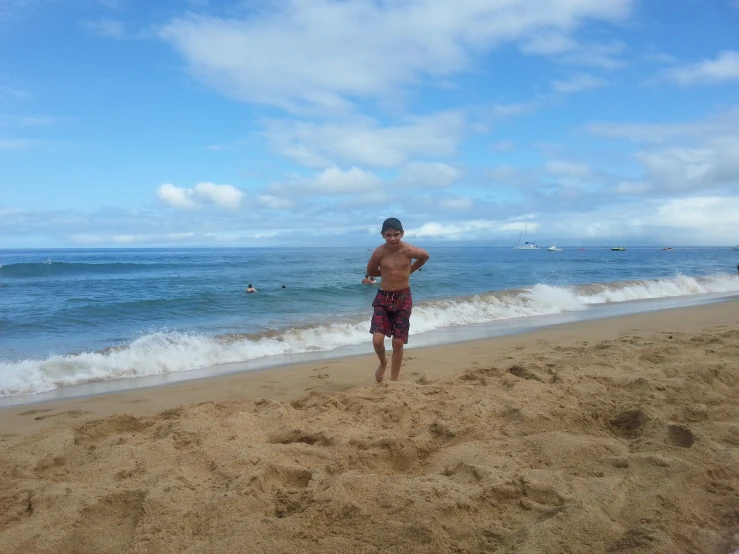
(392, 223)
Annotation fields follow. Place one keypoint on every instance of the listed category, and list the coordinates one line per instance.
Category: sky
(178, 123)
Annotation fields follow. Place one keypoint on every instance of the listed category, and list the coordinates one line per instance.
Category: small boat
(735, 247)
(527, 245)
(618, 248)
(667, 248)
(554, 247)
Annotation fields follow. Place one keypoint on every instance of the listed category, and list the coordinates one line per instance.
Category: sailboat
(527, 245)
(554, 248)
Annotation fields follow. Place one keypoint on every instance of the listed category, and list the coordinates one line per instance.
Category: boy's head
(392, 230)
(391, 223)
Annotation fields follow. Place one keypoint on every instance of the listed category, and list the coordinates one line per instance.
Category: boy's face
(392, 236)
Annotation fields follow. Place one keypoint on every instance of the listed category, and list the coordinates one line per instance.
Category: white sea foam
(164, 352)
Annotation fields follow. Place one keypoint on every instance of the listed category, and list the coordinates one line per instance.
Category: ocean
(122, 316)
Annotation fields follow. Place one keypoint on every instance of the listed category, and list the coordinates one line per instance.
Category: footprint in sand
(320, 376)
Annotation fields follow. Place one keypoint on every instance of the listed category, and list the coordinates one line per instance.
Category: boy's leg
(401, 323)
(380, 327)
(378, 341)
(397, 358)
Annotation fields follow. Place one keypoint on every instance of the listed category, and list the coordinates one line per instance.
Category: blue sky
(307, 122)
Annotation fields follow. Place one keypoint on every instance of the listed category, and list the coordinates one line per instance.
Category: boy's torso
(396, 268)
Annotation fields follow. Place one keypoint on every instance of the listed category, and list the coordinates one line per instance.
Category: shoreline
(290, 381)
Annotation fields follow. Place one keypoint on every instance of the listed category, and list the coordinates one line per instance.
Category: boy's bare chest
(396, 260)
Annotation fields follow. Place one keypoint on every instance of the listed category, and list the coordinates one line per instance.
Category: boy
(393, 302)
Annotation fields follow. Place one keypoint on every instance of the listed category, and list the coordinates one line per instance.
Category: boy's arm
(373, 266)
(420, 256)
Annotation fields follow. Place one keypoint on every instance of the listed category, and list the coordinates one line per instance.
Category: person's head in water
(250, 286)
(284, 287)
(392, 230)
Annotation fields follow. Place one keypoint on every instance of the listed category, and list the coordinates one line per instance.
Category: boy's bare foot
(380, 372)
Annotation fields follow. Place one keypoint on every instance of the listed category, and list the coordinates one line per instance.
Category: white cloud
(724, 68)
(328, 54)
(226, 196)
(577, 83)
(222, 195)
(333, 180)
(175, 196)
(428, 175)
(455, 230)
(363, 141)
(106, 27)
(361, 187)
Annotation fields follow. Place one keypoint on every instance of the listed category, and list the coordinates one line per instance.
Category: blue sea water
(74, 316)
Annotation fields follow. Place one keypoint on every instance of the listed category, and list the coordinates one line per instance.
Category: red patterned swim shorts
(392, 313)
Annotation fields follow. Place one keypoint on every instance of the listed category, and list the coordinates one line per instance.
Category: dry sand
(616, 435)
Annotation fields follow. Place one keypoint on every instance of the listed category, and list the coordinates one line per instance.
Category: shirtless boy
(394, 261)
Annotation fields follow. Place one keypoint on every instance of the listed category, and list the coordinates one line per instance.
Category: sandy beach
(615, 435)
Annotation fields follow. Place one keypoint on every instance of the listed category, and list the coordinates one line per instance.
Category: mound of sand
(628, 445)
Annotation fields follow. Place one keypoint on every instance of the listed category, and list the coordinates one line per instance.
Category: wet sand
(614, 435)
